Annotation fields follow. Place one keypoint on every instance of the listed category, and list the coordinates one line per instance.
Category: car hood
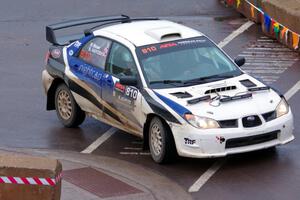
(257, 102)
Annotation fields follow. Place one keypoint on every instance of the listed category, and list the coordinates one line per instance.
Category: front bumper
(199, 143)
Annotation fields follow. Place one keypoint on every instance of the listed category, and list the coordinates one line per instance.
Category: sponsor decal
(189, 141)
(127, 91)
(189, 42)
(55, 53)
(120, 87)
(125, 95)
(220, 139)
(168, 45)
(90, 72)
(77, 44)
(71, 52)
(85, 55)
(131, 92)
(149, 49)
(96, 49)
(153, 48)
(156, 49)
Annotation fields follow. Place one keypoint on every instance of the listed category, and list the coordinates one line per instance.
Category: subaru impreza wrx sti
(164, 82)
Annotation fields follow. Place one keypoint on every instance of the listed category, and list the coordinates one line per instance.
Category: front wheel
(161, 142)
(67, 110)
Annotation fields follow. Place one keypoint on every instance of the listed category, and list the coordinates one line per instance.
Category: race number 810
(131, 93)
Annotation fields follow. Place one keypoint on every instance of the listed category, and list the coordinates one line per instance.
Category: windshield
(184, 62)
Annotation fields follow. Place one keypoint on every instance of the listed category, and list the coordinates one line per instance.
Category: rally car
(164, 82)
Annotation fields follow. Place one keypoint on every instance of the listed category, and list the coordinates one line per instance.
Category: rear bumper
(193, 142)
(47, 80)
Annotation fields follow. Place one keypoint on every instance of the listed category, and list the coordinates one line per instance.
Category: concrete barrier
(286, 12)
(29, 178)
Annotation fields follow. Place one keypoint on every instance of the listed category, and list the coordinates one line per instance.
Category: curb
(273, 19)
(154, 185)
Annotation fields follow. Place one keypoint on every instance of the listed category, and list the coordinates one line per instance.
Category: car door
(88, 66)
(124, 99)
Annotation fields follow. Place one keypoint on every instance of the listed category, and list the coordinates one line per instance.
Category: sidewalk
(92, 177)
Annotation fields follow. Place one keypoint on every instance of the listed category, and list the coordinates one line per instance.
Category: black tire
(271, 149)
(64, 100)
(167, 151)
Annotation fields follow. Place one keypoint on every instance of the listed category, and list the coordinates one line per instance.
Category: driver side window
(120, 61)
(95, 52)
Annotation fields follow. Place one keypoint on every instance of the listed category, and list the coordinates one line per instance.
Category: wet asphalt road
(25, 123)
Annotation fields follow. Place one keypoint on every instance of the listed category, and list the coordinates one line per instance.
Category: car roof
(149, 31)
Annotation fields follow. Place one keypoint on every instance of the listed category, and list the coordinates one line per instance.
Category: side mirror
(128, 80)
(240, 61)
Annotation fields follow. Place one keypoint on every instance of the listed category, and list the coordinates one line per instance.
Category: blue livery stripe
(175, 106)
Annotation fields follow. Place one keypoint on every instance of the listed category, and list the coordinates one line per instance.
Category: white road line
(268, 49)
(133, 148)
(291, 92)
(135, 153)
(206, 176)
(271, 55)
(235, 33)
(269, 64)
(100, 140)
(137, 142)
(261, 59)
(264, 40)
(217, 165)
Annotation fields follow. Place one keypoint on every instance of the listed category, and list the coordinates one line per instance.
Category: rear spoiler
(50, 29)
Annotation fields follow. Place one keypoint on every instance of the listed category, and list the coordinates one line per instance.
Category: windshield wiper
(208, 79)
(166, 81)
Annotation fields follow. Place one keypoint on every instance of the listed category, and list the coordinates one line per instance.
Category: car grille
(251, 121)
(251, 140)
(269, 116)
(231, 123)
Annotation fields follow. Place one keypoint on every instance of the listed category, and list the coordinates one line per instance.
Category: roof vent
(170, 36)
(164, 33)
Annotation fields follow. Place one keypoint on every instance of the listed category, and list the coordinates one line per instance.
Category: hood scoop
(182, 95)
(220, 89)
(247, 83)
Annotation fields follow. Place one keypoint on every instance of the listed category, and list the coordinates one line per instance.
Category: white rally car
(164, 82)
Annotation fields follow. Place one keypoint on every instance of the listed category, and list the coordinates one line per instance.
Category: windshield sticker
(168, 45)
(149, 49)
(187, 42)
(164, 47)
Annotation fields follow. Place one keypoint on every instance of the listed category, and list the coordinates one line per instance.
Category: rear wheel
(67, 110)
(161, 142)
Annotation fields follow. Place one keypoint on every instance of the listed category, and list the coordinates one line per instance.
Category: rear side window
(120, 61)
(95, 52)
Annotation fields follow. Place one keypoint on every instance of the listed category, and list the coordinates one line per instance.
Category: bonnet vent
(247, 83)
(181, 95)
(220, 89)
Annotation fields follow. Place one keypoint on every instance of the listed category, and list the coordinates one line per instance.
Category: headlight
(282, 108)
(201, 122)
